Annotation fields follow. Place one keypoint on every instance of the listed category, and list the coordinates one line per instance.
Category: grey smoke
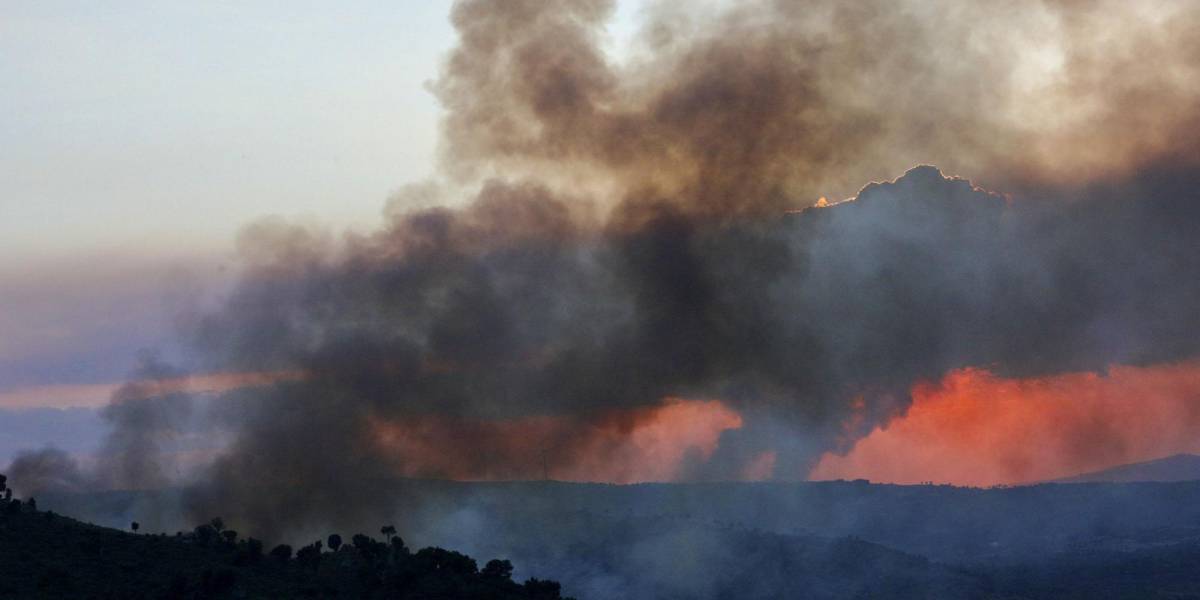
(787, 318)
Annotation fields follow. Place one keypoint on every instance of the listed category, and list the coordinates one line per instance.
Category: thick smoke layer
(637, 237)
(47, 470)
(510, 310)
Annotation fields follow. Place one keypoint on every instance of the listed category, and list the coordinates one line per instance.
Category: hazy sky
(137, 137)
(156, 120)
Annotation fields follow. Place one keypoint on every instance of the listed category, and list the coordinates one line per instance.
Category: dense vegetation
(45, 555)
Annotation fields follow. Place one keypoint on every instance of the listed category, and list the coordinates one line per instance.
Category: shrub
(282, 552)
(497, 569)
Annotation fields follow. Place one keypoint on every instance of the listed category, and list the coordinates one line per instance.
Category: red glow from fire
(643, 444)
(973, 428)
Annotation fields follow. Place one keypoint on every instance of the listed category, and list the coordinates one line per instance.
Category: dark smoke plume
(511, 308)
(47, 470)
(637, 236)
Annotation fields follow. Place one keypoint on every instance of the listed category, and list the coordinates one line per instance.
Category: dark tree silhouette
(217, 524)
(497, 569)
(440, 559)
(282, 552)
(135, 526)
(388, 531)
(398, 548)
(254, 550)
(310, 555)
(213, 563)
(539, 588)
(204, 534)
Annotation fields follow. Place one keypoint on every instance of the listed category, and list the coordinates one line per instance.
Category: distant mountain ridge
(1180, 467)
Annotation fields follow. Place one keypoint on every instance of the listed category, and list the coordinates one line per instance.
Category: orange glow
(974, 428)
(94, 395)
(641, 444)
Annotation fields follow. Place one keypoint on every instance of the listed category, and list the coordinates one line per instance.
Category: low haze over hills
(758, 540)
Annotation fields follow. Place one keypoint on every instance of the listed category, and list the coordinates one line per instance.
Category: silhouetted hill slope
(44, 555)
(1180, 467)
(812, 540)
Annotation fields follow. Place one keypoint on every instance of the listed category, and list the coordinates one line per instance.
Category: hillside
(45, 555)
(1180, 467)
(813, 540)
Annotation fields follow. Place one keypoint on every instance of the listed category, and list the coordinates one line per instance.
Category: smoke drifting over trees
(637, 236)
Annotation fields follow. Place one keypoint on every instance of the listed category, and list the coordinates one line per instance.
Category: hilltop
(1180, 467)
(46, 555)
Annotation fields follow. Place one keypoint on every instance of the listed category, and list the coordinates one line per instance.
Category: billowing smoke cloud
(636, 237)
(510, 310)
(772, 103)
(47, 470)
